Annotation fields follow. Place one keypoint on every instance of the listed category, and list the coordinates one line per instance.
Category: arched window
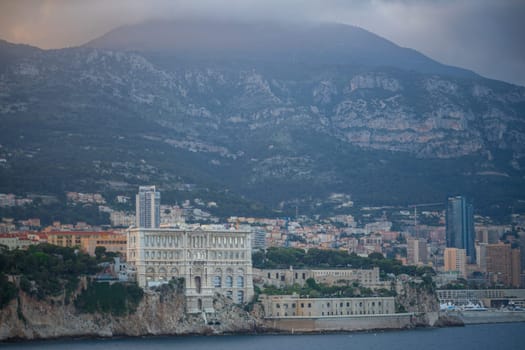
(217, 281)
(229, 281)
(198, 284)
(240, 282)
(163, 273)
(240, 296)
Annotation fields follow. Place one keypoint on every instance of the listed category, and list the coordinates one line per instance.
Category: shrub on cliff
(47, 270)
(8, 291)
(117, 299)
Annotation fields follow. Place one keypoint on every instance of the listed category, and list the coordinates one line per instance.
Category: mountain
(318, 43)
(283, 115)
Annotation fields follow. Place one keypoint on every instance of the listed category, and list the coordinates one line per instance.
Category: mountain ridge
(310, 42)
(276, 132)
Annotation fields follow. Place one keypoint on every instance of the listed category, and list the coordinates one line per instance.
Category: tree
(100, 252)
(8, 291)
(376, 256)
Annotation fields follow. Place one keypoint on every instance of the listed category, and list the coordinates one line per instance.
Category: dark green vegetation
(263, 133)
(117, 299)
(46, 271)
(57, 211)
(8, 291)
(283, 258)
(320, 290)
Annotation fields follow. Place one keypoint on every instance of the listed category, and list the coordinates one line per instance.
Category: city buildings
(121, 219)
(417, 251)
(481, 256)
(210, 261)
(460, 226)
(503, 264)
(455, 260)
(88, 241)
(258, 238)
(148, 207)
(16, 241)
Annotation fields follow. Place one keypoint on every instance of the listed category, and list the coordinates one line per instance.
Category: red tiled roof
(80, 233)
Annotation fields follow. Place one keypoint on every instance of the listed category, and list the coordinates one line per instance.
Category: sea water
(479, 337)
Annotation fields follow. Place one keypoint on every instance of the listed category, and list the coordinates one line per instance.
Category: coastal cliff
(159, 312)
(163, 312)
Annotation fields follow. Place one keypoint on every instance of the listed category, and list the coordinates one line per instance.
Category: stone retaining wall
(340, 323)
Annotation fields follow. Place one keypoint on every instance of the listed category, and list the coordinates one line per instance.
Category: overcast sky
(486, 36)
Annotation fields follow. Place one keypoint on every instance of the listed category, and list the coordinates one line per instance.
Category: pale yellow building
(88, 241)
(455, 260)
(278, 306)
(113, 242)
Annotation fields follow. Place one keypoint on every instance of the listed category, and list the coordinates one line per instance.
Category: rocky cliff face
(162, 312)
(158, 313)
(421, 300)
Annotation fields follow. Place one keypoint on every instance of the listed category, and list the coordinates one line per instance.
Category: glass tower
(460, 226)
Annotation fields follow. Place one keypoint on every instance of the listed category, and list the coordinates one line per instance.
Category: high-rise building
(481, 256)
(503, 264)
(148, 207)
(455, 260)
(460, 226)
(522, 249)
(417, 251)
(258, 238)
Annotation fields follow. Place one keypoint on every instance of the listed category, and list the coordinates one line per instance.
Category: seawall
(491, 316)
(339, 323)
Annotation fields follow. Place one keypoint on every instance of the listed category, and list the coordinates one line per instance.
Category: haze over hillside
(319, 43)
(284, 115)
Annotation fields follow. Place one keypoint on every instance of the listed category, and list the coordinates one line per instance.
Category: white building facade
(210, 261)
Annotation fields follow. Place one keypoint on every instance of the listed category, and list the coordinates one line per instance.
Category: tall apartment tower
(417, 251)
(460, 226)
(148, 207)
(503, 264)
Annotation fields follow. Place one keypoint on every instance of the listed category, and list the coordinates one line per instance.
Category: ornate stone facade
(210, 261)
